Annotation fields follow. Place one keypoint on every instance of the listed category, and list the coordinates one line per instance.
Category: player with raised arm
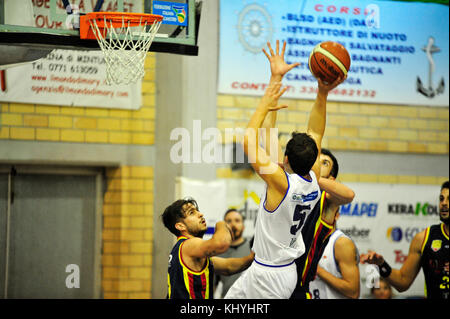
(428, 250)
(291, 193)
(192, 262)
(320, 224)
(337, 275)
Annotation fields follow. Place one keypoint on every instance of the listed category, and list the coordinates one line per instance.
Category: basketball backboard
(32, 28)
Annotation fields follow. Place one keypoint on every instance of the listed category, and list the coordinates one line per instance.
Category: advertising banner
(399, 50)
(68, 77)
(385, 218)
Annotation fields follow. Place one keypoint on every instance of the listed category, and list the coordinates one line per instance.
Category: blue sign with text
(399, 50)
(173, 12)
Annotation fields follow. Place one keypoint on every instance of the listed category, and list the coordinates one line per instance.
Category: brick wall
(352, 127)
(128, 233)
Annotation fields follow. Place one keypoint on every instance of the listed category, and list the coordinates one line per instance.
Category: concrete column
(186, 91)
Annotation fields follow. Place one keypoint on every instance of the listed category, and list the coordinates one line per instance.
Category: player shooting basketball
(324, 213)
(292, 192)
(192, 263)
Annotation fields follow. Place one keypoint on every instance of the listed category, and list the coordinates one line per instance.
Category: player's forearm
(339, 193)
(318, 115)
(270, 121)
(270, 140)
(398, 280)
(251, 137)
(236, 265)
(347, 288)
(222, 238)
(401, 279)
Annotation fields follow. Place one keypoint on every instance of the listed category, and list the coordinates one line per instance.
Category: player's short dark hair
(335, 168)
(445, 185)
(174, 213)
(233, 210)
(301, 151)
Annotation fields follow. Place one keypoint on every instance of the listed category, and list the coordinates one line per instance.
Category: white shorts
(264, 282)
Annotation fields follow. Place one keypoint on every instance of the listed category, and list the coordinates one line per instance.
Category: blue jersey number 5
(299, 216)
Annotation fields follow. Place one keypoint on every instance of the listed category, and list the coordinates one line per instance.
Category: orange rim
(116, 20)
(117, 17)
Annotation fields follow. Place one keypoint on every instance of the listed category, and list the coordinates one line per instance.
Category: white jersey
(318, 288)
(278, 238)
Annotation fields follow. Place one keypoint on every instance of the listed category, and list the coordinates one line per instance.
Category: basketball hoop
(124, 40)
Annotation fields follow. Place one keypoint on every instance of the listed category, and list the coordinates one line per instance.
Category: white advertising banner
(382, 217)
(245, 196)
(385, 218)
(69, 77)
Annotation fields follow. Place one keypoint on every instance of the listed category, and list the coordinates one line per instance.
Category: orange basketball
(328, 61)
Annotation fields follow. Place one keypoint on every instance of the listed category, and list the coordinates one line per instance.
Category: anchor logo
(429, 92)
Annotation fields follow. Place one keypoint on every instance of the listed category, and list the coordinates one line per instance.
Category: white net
(125, 48)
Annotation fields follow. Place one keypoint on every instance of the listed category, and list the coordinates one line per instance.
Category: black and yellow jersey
(184, 283)
(316, 233)
(435, 262)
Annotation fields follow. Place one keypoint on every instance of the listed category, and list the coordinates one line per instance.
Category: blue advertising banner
(173, 12)
(399, 50)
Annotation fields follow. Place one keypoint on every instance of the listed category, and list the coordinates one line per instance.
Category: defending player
(192, 263)
(291, 194)
(429, 250)
(320, 228)
(337, 275)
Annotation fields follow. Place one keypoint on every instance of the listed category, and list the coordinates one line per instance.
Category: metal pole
(8, 219)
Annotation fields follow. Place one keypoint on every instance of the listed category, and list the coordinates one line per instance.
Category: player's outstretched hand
(327, 87)
(371, 258)
(277, 64)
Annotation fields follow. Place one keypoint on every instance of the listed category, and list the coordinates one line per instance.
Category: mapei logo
(420, 209)
(359, 209)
